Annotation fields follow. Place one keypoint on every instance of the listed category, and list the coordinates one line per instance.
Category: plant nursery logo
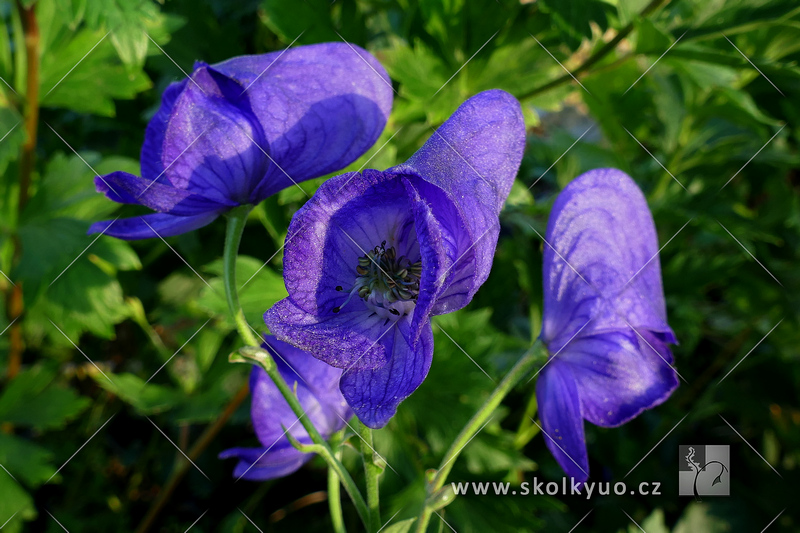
(704, 470)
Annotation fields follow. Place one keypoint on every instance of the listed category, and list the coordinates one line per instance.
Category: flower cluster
(373, 256)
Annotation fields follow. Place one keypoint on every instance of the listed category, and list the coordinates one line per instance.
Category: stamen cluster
(386, 282)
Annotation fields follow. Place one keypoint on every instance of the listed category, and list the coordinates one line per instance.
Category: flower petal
(126, 188)
(605, 264)
(344, 340)
(474, 157)
(261, 464)
(619, 375)
(560, 414)
(151, 226)
(375, 394)
(321, 107)
(206, 139)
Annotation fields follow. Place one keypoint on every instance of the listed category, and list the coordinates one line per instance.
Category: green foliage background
(698, 100)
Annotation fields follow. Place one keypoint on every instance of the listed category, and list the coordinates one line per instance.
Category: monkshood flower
(316, 386)
(373, 256)
(239, 131)
(605, 321)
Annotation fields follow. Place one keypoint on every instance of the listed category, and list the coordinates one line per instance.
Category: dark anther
(339, 288)
(394, 312)
(337, 309)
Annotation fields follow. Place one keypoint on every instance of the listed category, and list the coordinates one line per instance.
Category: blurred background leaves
(698, 100)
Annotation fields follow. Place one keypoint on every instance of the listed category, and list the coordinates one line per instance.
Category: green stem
(372, 473)
(597, 56)
(237, 218)
(334, 486)
(535, 356)
(233, 236)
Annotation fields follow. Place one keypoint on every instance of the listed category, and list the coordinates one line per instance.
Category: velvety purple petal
(320, 106)
(474, 157)
(619, 375)
(151, 226)
(151, 163)
(375, 394)
(560, 414)
(207, 140)
(129, 189)
(261, 464)
(601, 261)
(350, 338)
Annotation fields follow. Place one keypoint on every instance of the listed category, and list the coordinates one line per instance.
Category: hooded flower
(239, 131)
(373, 256)
(317, 390)
(605, 321)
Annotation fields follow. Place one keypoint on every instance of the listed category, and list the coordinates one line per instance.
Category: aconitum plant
(605, 321)
(374, 255)
(239, 131)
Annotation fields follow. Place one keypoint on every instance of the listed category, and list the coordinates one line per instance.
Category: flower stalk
(254, 354)
(533, 358)
(372, 473)
(334, 486)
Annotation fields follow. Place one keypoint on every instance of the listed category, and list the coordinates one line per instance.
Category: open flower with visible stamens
(373, 256)
(316, 386)
(242, 130)
(605, 320)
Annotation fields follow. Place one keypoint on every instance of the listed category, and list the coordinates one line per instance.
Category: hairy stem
(334, 488)
(597, 56)
(372, 473)
(233, 236)
(534, 357)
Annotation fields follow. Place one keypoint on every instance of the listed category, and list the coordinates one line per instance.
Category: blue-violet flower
(316, 386)
(239, 131)
(373, 256)
(605, 321)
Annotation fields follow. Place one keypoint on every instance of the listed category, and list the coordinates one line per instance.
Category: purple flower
(373, 256)
(605, 321)
(316, 386)
(239, 131)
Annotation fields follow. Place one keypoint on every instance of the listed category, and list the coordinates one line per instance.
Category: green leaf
(700, 517)
(25, 460)
(652, 524)
(67, 187)
(16, 505)
(146, 398)
(651, 39)
(264, 288)
(404, 526)
(574, 19)
(83, 72)
(101, 306)
(12, 131)
(310, 18)
(31, 399)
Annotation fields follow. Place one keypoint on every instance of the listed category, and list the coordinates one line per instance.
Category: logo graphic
(704, 470)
